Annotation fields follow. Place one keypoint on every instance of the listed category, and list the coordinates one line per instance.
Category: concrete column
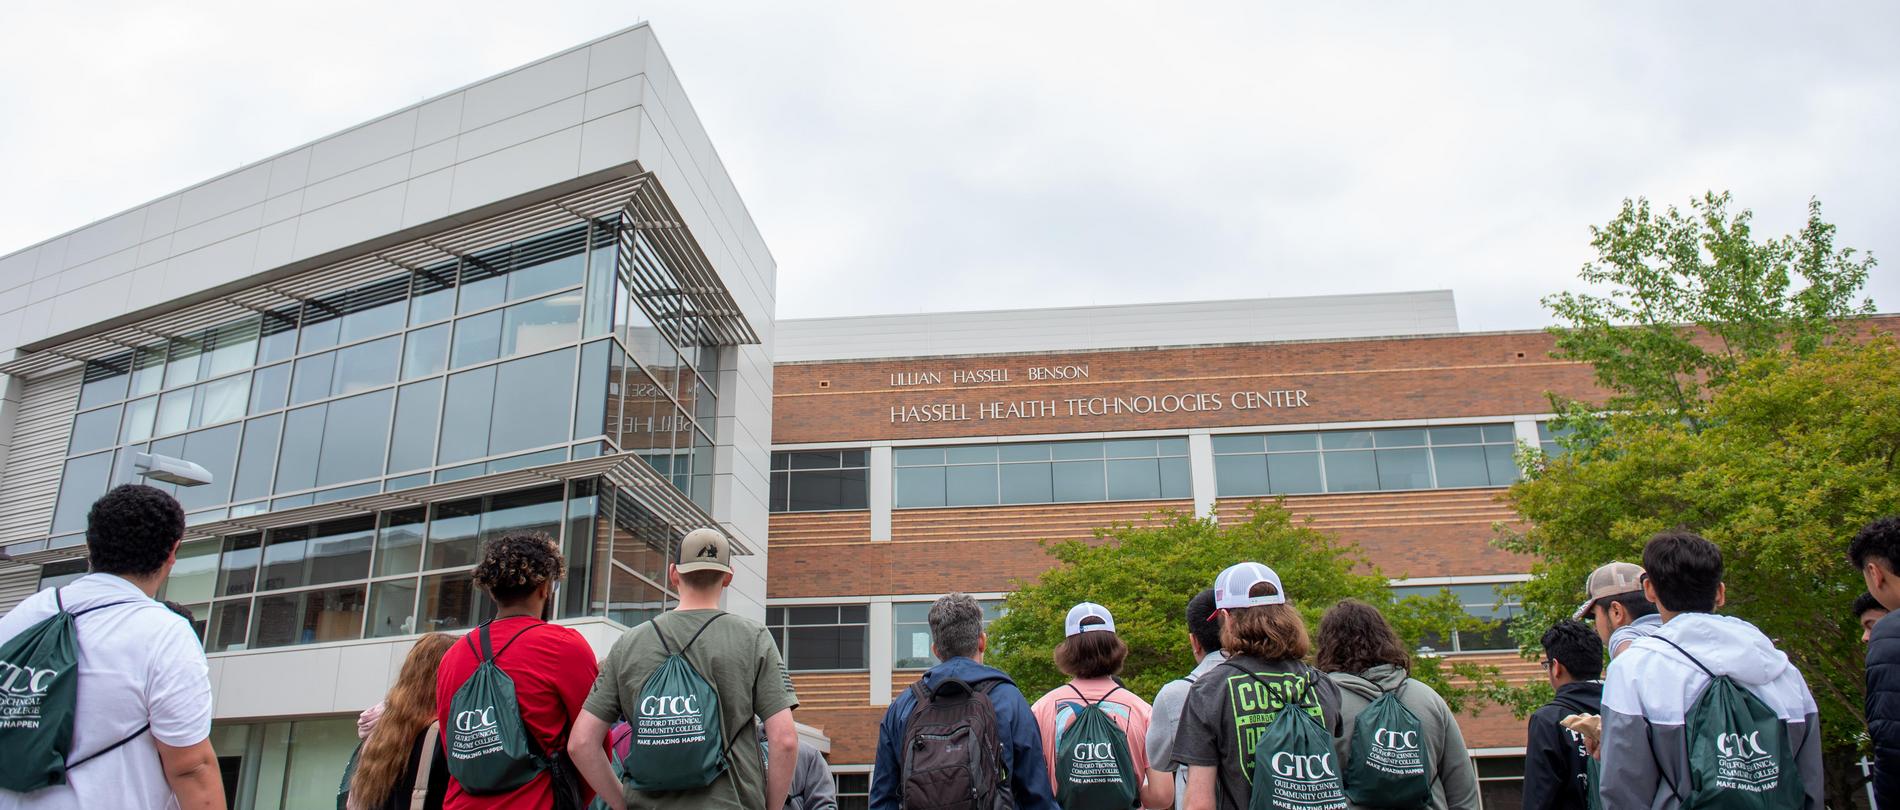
(1201, 471)
(880, 631)
(880, 495)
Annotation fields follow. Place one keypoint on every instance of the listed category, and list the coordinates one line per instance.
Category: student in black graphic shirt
(1555, 759)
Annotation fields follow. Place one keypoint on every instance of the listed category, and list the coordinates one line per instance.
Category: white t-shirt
(138, 663)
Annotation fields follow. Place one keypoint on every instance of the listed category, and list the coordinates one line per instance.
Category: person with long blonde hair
(392, 756)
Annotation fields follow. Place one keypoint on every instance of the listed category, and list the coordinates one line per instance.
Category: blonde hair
(407, 710)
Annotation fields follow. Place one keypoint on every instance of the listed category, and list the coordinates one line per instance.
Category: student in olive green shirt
(736, 655)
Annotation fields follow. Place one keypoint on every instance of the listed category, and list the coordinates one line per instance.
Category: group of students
(1251, 726)
(105, 695)
(1696, 709)
(694, 708)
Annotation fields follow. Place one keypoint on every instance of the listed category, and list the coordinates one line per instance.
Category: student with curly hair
(142, 734)
(1360, 652)
(552, 666)
(400, 745)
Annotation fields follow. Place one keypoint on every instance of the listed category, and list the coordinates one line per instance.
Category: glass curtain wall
(524, 354)
(1365, 460)
(410, 571)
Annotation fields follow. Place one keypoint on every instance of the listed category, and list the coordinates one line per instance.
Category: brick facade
(1431, 533)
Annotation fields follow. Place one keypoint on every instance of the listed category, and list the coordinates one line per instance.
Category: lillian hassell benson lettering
(1100, 406)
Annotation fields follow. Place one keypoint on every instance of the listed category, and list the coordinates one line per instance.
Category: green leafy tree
(1797, 455)
(1145, 575)
(1733, 407)
(1689, 296)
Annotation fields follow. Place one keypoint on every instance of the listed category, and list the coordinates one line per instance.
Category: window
(1550, 440)
(344, 393)
(826, 637)
(1483, 601)
(60, 573)
(307, 617)
(83, 481)
(910, 632)
(1389, 459)
(854, 790)
(412, 444)
(820, 480)
(1057, 472)
(1501, 782)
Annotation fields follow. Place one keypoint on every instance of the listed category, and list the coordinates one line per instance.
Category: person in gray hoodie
(1653, 684)
(1360, 652)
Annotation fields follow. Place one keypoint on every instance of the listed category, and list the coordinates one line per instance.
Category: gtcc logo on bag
(669, 705)
(25, 680)
(475, 719)
(1100, 751)
(1403, 740)
(1298, 766)
(1746, 746)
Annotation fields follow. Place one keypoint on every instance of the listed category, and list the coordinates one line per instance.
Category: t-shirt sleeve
(580, 672)
(772, 687)
(178, 695)
(603, 700)
(1195, 739)
(1162, 721)
(1138, 719)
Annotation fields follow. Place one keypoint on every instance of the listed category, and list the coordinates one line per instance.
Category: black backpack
(952, 757)
(39, 693)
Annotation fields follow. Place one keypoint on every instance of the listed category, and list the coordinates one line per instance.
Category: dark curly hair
(1573, 644)
(1877, 540)
(1866, 602)
(514, 565)
(1355, 637)
(132, 530)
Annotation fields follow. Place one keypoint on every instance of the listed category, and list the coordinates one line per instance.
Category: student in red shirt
(552, 666)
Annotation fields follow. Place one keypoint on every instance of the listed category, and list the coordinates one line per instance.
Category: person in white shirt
(142, 674)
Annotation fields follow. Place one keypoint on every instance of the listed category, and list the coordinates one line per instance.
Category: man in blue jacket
(957, 639)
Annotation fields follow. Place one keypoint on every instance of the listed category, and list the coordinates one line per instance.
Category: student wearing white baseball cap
(1229, 709)
(1094, 732)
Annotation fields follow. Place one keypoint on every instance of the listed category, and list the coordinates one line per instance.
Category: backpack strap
(1305, 681)
(1685, 654)
(487, 650)
(110, 748)
(696, 634)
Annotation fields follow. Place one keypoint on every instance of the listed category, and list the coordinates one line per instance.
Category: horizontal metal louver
(17, 582)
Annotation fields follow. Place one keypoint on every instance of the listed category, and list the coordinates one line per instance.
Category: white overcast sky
(906, 157)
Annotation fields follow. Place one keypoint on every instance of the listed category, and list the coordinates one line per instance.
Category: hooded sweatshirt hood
(1724, 644)
(1370, 684)
(964, 669)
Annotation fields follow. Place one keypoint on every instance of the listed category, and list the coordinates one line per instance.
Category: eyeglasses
(1546, 664)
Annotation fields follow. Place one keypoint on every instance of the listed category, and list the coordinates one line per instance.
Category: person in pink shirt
(1090, 765)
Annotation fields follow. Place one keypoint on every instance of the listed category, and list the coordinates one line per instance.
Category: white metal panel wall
(1194, 323)
(17, 582)
(30, 483)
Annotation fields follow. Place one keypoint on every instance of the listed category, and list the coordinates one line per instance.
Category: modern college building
(538, 303)
(532, 303)
(919, 454)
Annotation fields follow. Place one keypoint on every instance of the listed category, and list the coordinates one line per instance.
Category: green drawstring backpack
(39, 692)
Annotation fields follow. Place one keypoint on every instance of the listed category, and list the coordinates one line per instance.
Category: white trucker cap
(1073, 625)
(1233, 584)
